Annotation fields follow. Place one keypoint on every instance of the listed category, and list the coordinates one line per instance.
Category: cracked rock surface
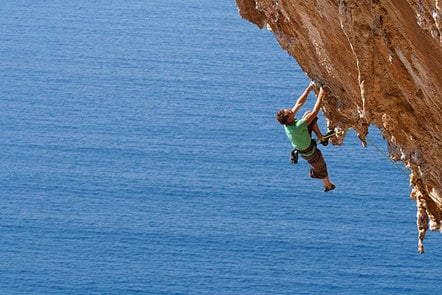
(382, 60)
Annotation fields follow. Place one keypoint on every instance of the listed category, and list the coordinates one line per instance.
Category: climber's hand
(325, 89)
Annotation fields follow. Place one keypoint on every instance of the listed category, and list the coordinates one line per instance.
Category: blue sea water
(139, 154)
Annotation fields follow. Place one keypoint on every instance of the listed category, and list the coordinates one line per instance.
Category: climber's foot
(324, 139)
(329, 188)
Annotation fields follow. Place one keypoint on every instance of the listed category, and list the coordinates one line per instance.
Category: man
(299, 133)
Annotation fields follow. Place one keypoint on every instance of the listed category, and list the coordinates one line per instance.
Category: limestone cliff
(382, 60)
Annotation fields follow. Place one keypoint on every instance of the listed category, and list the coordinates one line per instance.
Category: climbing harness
(294, 154)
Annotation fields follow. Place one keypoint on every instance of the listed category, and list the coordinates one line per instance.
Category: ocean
(140, 154)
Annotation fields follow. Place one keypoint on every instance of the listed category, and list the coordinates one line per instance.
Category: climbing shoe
(324, 139)
(330, 188)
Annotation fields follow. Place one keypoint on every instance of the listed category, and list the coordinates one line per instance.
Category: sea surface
(139, 154)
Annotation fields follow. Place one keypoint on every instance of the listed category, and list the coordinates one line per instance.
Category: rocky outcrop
(382, 60)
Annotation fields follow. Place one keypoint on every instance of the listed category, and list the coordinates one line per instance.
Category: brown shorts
(318, 168)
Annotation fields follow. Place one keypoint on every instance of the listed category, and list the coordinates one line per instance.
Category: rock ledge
(382, 61)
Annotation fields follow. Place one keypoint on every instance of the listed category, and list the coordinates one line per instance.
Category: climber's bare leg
(315, 126)
(326, 181)
(317, 131)
(328, 185)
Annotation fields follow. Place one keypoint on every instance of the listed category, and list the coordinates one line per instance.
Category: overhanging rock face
(383, 62)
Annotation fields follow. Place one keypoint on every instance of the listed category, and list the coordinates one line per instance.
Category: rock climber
(299, 133)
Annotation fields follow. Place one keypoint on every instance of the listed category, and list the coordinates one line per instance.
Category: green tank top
(299, 136)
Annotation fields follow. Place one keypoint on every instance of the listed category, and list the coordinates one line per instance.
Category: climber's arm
(311, 116)
(303, 98)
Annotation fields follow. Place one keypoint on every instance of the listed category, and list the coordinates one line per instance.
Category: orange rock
(383, 63)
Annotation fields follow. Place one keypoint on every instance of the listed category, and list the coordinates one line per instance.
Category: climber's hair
(282, 117)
